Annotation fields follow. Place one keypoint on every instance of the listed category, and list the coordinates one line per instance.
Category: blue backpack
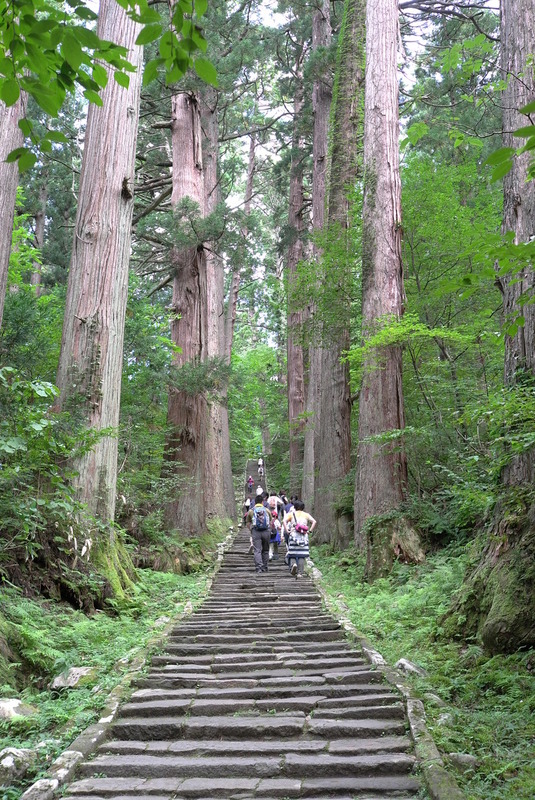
(260, 518)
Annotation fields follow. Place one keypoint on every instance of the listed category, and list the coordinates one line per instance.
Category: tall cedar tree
(381, 470)
(187, 410)
(497, 600)
(321, 104)
(89, 372)
(10, 138)
(296, 225)
(335, 408)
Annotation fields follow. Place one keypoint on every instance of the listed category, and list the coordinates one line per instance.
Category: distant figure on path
(250, 484)
(260, 472)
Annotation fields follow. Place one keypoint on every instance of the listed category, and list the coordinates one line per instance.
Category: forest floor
(475, 703)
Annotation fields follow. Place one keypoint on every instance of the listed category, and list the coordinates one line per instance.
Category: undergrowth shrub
(475, 703)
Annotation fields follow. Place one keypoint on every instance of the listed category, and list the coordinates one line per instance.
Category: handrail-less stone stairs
(257, 695)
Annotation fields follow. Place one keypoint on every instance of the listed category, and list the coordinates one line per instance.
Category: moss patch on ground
(49, 637)
(482, 705)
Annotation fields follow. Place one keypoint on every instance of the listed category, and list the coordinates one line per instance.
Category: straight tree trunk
(232, 309)
(187, 415)
(296, 365)
(10, 138)
(219, 488)
(346, 152)
(381, 466)
(497, 601)
(321, 104)
(91, 358)
(40, 233)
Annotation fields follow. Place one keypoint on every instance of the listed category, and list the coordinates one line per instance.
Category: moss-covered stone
(496, 602)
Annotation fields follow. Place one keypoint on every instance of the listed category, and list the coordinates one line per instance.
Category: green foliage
(210, 376)
(47, 639)
(48, 52)
(401, 617)
(35, 493)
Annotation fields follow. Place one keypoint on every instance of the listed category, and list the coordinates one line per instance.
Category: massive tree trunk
(187, 414)
(381, 465)
(321, 104)
(90, 366)
(219, 488)
(296, 367)
(10, 138)
(232, 308)
(335, 409)
(497, 600)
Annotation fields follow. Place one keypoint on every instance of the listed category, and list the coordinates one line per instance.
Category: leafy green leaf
(528, 109)
(501, 170)
(529, 130)
(85, 13)
(151, 70)
(10, 92)
(93, 97)
(200, 7)
(27, 160)
(56, 136)
(122, 79)
(149, 34)
(205, 70)
(100, 75)
(498, 156)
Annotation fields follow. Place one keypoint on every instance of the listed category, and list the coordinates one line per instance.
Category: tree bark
(321, 104)
(90, 365)
(39, 233)
(296, 366)
(10, 138)
(187, 413)
(219, 487)
(346, 150)
(230, 321)
(381, 466)
(497, 602)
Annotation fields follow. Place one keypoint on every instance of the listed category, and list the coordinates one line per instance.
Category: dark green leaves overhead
(46, 51)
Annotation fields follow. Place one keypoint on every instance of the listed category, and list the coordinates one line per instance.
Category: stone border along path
(258, 695)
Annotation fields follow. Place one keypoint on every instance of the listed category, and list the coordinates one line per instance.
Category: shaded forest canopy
(297, 235)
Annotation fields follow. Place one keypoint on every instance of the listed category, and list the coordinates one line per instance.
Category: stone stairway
(252, 469)
(257, 695)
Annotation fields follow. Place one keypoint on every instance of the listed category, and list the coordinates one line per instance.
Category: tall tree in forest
(295, 252)
(218, 470)
(346, 148)
(187, 410)
(10, 138)
(497, 600)
(381, 469)
(89, 372)
(321, 104)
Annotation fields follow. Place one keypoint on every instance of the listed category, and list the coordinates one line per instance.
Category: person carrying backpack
(298, 524)
(259, 522)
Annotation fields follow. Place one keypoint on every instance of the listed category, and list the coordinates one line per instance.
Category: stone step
(216, 664)
(175, 679)
(251, 726)
(191, 677)
(305, 703)
(237, 765)
(309, 648)
(383, 744)
(363, 694)
(227, 788)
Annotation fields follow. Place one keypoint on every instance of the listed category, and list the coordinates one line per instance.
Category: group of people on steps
(272, 519)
